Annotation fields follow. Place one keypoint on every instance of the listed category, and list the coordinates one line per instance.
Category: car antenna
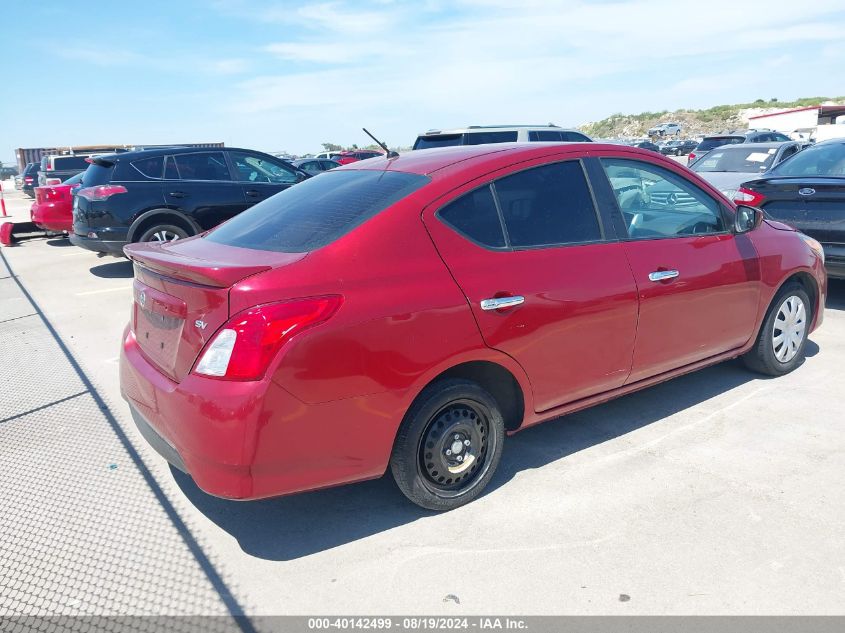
(390, 153)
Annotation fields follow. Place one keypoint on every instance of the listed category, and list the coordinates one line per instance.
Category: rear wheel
(448, 445)
(783, 336)
(163, 233)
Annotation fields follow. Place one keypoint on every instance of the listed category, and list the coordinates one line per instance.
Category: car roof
(714, 136)
(499, 128)
(166, 151)
(435, 159)
(766, 145)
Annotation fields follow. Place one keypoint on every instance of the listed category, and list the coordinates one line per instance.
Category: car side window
(256, 168)
(548, 206)
(656, 202)
(543, 135)
(787, 152)
(170, 171)
(474, 215)
(149, 167)
(202, 166)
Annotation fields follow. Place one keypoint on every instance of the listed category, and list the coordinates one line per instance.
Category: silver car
(727, 167)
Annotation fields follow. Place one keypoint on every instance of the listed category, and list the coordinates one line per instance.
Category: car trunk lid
(814, 206)
(181, 296)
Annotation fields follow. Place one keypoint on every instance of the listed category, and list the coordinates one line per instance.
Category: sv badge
(199, 323)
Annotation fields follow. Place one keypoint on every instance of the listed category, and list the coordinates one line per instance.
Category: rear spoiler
(99, 160)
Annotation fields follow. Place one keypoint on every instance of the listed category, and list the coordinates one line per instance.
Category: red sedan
(53, 206)
(409, 313)
(354, 155)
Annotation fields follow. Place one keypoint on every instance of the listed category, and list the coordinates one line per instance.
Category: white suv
(482, 134)
(665, 129)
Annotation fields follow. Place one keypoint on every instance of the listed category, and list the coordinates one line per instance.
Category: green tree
(331, 147)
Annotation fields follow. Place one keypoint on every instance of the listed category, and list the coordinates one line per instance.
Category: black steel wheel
(448, 445)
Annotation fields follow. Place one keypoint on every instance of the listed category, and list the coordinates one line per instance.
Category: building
(819, 122)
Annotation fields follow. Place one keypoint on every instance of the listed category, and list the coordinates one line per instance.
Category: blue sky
(289, 75)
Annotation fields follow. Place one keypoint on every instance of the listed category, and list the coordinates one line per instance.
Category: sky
(288, 76)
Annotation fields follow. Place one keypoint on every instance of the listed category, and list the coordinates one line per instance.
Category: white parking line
(97, 292)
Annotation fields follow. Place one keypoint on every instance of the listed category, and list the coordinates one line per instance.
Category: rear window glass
(474, 215)
(150, 167)
(481, 138)
(737, 159)
(316, 212)
(97, 175)
(439, 140)
(820, 160)
(69, 162)
(709, 143)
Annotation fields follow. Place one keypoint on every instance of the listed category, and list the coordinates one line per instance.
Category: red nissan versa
(411, 312)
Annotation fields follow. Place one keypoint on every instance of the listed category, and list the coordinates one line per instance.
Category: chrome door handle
(663, 275)
(501, 302)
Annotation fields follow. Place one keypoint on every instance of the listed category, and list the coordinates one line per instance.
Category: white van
(482, 134)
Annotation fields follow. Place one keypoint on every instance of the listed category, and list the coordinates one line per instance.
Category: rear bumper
(97, 245)
(251, 440)
(49, 216)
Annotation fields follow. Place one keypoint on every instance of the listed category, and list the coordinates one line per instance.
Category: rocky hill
(715, 120)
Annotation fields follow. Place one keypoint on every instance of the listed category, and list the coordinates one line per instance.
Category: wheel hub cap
(789, 328)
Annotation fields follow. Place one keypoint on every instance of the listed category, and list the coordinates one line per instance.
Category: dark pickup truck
(56, 169)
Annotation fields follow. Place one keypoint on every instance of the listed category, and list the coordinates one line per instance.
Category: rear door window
(69, 162)
(150, 167)
(474, 215)
(202, 166)
(481, 138)
(317, 211)
(548, 205)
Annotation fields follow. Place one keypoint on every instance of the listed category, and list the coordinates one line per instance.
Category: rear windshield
(438, 140)
(96, 175)
(820, 160)
(709, 143)
(316, 212)
(737, 159)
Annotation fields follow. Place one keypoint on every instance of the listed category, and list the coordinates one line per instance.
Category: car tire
(780, 343)
(163, 233)
(448, 445)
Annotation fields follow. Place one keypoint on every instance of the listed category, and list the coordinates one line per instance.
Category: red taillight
(53, 181)
(27, 179)
(100, 192)
(250, 340)
(748, 197)
(690, 158)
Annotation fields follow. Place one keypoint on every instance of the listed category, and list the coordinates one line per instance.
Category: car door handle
(178, 194)
(252, 193)
(497, 303)
(663, 275)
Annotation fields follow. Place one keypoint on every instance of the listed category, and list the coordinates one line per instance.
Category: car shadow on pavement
(288, 528)
(59, 241)
(117, 269)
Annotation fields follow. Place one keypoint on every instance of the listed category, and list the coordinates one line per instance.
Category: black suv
(29, 178)
(752, 136)
(170, 193)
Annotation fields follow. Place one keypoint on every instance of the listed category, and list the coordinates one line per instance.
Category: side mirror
(747, 218)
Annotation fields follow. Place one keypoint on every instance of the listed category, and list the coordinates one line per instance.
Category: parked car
(329, 155)
(171, 193)
(350, 156)
(752, 136)
(315, 166)
(678, 148)
(408, 313)
(727, 167)
(483, 134)
(30, 179)
(665, 129)
(8, 172)
(53, 206)
(19, 182)
(55, 169)
(807, 192)
(652, 147)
